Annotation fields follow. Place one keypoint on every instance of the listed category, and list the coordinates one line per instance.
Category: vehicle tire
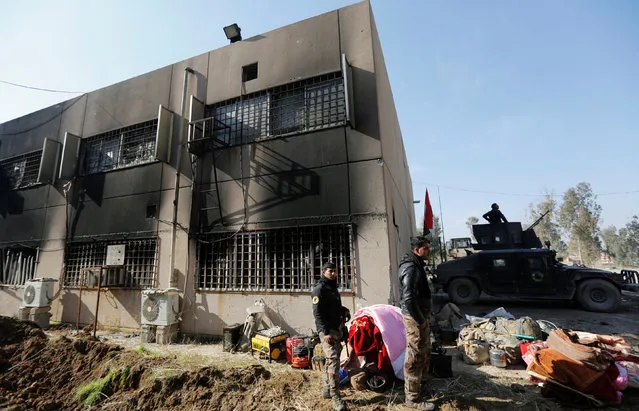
(598, 295)
(463, 291)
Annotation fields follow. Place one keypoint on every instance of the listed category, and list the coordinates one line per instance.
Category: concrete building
(290, 154)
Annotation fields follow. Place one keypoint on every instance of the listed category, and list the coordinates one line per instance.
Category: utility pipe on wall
(178, 172)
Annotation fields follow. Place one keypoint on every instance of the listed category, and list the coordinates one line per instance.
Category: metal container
(498, 358)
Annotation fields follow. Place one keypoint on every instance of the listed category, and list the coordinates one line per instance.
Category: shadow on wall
(69, 303)
(10, 201)
(91, 186)
(285, 186)
(274, 315)
(110, 301)
(129, 300)
(203, 321)
(12, 294)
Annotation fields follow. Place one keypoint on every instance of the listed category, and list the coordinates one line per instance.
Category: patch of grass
(95, 391)
(143, 350)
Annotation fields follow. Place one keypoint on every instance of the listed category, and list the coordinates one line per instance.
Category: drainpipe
(178, 166)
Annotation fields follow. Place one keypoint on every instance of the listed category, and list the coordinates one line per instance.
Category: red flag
(428, 214)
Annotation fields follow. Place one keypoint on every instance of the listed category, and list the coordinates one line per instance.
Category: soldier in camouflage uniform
(328, 313)
(415, 304)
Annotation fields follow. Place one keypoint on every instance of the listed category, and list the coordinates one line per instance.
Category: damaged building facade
(289, 154)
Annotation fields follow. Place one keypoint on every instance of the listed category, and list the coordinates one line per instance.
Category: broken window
(325, 104)
(284, 259)
(17, 265)
(140, 262)
(20, 171)
(246, 119)
(296, 107)
(120, 148)
(288, 112)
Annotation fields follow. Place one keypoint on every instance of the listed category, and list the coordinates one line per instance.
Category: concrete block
(38, 315)
(167, 334)
(148, 333)
(23, 313)
(42, 319)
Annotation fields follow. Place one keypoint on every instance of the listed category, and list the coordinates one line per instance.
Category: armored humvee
(511, 262)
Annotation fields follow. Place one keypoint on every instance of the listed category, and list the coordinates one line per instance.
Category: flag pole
(441, 217)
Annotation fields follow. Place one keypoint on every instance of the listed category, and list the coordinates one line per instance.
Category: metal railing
(140, 261)
(284, 259)
(17, 265)
(20, 171)
(124, 147)
(297, 107)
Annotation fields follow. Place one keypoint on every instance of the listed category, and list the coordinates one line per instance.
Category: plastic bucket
(498, 358)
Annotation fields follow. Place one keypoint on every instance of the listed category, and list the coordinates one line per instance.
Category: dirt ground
(43, 371)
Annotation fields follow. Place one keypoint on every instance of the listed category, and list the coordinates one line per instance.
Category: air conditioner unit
(38, 292)
(160, 307)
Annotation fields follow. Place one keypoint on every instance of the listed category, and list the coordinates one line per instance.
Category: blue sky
(499, 101)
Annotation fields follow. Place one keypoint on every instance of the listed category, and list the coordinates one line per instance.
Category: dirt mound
(41, 374)
(14, 331)
(207, 388)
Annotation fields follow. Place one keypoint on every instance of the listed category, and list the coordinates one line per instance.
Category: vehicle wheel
(598, 295)
(463, 291)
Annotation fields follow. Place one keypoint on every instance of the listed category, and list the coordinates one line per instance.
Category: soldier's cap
(328, 265)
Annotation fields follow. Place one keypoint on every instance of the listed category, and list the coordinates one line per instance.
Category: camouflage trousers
(332, 353)
(417, 358)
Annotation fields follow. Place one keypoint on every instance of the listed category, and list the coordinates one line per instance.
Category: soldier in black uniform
(328, 313)
(494, 216)
(415, 303)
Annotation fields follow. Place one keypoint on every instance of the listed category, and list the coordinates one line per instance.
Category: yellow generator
(270, 345)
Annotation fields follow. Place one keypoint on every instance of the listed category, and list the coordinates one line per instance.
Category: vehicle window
(499, 262)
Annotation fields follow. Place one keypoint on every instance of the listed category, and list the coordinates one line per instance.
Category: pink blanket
(389, 321)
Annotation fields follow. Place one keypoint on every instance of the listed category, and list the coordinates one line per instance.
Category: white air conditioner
(160, 307)
(38, 292)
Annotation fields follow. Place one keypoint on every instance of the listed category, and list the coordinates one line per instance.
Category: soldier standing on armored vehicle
(494, 216)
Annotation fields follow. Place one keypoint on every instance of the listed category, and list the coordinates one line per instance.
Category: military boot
(326, 393)
(421, 405)
(338, 404)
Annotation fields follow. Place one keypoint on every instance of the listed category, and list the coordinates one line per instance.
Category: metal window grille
(120, 148)
(20, 171)
(17, 265)
(285, 259)
(140, 261)
(296, 107)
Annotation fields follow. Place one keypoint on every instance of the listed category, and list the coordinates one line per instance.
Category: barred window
(285, 259)
(120, 148)
(140, 262)
(247, 117)
(20, 171)
(17, 265)
(296, 107)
